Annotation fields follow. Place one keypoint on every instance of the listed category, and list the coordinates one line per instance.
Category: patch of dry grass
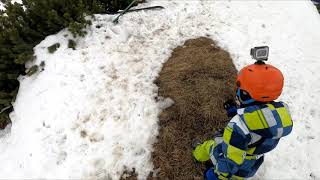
(199, 77)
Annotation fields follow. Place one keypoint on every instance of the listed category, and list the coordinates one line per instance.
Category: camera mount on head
(260, 54)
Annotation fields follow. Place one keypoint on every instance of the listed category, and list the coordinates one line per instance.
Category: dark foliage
(53, 47)
(32, 70)
(113, 6)
(72, 44)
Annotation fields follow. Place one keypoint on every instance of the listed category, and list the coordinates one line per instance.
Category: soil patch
(199, 77)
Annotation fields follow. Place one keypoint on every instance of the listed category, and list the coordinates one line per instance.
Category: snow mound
(92, 112)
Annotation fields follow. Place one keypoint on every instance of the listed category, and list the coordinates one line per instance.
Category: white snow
(12, 1)
(92, 112)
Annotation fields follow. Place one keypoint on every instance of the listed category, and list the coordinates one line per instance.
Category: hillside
(92, 112)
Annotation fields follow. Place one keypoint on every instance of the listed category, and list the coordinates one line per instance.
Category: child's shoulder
(260, 106)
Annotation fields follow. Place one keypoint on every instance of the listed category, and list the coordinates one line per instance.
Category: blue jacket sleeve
(236, 138)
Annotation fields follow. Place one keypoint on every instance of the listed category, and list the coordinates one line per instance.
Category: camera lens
(261, 53)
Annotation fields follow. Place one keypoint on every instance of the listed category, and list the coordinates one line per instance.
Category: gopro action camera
(260, 53)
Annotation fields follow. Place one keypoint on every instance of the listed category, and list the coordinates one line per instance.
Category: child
(257, 124)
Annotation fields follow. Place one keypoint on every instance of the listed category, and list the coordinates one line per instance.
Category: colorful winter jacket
(255, 130)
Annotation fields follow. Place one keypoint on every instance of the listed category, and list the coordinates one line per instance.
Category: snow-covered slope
(92, 114)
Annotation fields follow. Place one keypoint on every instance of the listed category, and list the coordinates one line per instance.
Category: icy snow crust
(92, 112)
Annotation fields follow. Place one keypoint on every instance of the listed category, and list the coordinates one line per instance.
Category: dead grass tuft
(199, 77)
